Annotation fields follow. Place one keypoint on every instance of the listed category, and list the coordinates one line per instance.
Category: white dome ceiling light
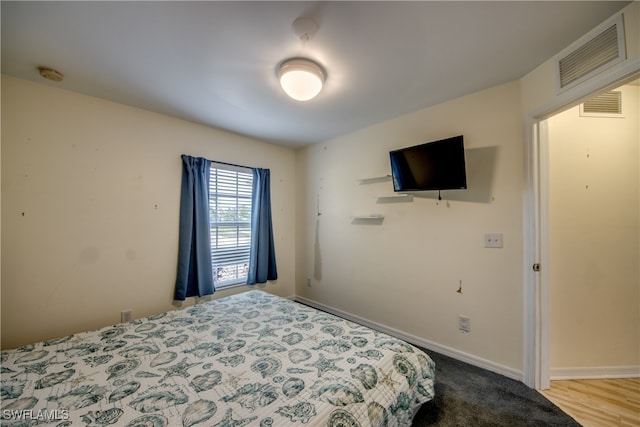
(302, 78)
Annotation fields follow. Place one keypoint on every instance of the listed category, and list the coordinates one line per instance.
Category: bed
(250, 359)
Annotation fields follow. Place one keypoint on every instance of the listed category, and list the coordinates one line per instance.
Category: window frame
(242, 195)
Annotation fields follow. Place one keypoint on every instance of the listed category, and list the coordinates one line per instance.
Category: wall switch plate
(493, 240)
(464, 323)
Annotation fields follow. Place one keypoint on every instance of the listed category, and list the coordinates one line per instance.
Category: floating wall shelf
(373, 219)
(396, 198)
(374, 180)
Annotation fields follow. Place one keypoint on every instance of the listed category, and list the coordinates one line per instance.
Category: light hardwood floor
(598, 403)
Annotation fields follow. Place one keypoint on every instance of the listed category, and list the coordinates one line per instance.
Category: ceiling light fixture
(301, 78)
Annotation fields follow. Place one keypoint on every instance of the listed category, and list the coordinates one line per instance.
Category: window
(230, 190)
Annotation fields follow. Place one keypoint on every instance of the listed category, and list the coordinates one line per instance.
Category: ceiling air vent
(599, 49)
(608, 104)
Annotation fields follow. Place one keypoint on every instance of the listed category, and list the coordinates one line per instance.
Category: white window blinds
(230, 190)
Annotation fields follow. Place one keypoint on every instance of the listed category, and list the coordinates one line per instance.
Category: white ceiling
(215, 62)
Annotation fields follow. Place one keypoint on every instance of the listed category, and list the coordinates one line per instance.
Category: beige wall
(90, 208)
(404, 273)
(593, 238)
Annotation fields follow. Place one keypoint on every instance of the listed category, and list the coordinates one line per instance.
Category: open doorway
(538, 294)
(593, 241)
(585, 178)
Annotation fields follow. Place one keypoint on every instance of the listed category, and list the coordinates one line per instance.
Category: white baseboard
(429, 345)
(593, 373)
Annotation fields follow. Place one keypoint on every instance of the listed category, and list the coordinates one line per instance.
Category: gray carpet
(470, 396)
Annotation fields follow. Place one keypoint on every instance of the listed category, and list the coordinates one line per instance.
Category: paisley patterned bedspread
(251, 359)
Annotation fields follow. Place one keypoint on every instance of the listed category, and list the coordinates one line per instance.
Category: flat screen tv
(437, 165)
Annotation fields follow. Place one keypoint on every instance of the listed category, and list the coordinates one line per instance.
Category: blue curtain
(262, 257)
(195, 277)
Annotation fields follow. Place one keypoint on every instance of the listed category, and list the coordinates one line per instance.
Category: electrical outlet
(464, 323)
(493, 240)
(309, 281)
(126, 315)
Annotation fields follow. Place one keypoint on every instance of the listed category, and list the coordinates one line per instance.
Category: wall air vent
(600, 49)
(608, 104)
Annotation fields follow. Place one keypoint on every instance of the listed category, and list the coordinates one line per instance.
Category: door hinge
(536, 267)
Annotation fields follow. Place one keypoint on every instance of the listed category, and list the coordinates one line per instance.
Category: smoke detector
(305, 28)
(51, 74)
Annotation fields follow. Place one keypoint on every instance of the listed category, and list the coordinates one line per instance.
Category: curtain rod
(232, 164)
(225, 163)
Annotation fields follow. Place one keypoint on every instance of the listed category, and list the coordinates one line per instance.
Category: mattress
(250, 359)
